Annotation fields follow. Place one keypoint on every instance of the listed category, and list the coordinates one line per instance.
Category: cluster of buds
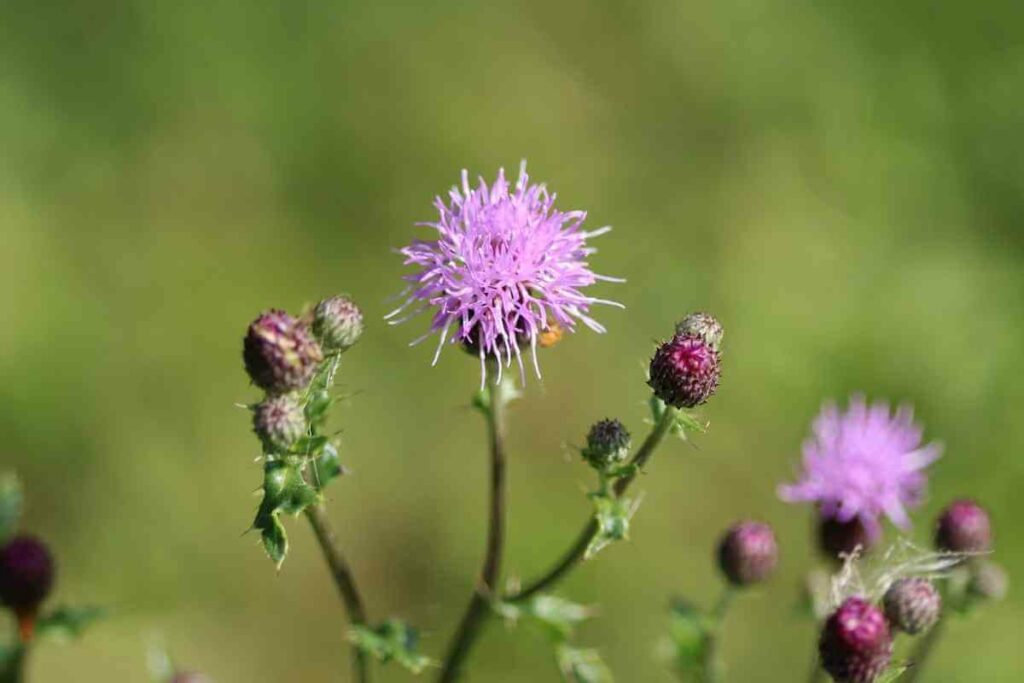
(26, 577)
(748, 553)
(856, 643)
(685, 370)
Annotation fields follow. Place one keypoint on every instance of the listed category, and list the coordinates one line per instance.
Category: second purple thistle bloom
(864, 463)
(506, 266)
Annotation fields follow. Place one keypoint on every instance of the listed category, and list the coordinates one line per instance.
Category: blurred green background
(842, 183)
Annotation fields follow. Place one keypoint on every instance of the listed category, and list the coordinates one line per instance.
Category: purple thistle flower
(506, 266)
(864, 463)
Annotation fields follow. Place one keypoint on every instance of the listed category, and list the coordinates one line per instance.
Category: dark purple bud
(837, 539)
(337, 323)
(703, 326)
(963, 527)
(279, 422)
(280, 354)
(26, 574)
(747, 553)
(684, 372)
(855, 644)
(912, 605)
(608, 444)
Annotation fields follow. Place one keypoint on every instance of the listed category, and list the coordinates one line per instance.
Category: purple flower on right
(864, 463)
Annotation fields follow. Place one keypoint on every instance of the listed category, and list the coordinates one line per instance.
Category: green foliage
(612, 515)
(691, 631)
(66, 623)
(394, 640)
(10, 504)
(582, 665)
(285, 490)
(683, 423)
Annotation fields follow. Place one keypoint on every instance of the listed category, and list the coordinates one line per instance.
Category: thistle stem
(343, 579)
(924, 649)
(578, 549)
(13, 670)
(712, 666)
(477, 611)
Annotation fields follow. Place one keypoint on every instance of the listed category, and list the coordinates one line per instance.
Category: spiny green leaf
(690, 630)
(894, 672)
(394, 640)
(10, 504)
(582, 665)
(327, 467)
(65, 623)
(310, 446)
(612, 516)
(284, 491)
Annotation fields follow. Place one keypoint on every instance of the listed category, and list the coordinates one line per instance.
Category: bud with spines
(912, 605)
(855, 644)
(337, 323)
(608, 444)
(279, 421)
(838, 539)
(26, 575)
(684, 371)
(748, 553)
(280, 354)
(963, 527)
(703, 326)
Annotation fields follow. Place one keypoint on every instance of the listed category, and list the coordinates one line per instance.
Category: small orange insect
(550, 335)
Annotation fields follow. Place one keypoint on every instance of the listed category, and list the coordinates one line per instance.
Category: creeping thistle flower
(26, 575)
(279, 352)
(963, 527)
(279, 422)
(864, 463)
(505, 267)
(608, 444)
(912, 605)
(855, 644)
(337, 323)
(684, 371)
(747, 553)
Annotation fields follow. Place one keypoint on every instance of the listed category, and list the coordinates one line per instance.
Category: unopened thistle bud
(279, 422)
(337, 323)
(838, 539)
(963, 527)
(279, 352)
(912, 605)
(26, 574)
(684, 372)
(855, 644)
(988, 581)
(703, 326)
(608, 444)
(747, 553)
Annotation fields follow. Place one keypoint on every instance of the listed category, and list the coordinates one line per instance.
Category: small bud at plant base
(838, 539)
(684, 372)
(988, 581)
(912, 605)
(280, 354)
(279, 422)
(608, 444)
(855, 644)
(963, 527)
(747, 554)
(26, 574)
(337, 323)
(701, 325)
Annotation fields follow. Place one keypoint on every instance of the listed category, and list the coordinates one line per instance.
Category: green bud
(337, 323)
(608, 444)
(279, 422)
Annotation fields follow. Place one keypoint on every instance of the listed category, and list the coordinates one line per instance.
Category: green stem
(13, 670)
(923, 651)
(578, 549)
(712, 665)
(479, 605)
(343, 579)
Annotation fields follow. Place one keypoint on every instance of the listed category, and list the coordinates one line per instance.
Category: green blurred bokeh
(842, 183)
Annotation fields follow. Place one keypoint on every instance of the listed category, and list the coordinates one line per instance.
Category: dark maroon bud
(963, 527)
(747, 553)
(838, 539)
(280, 353)
(26, 574)
(912, 605)
(684, 371)
(608, 444)
(855, 644)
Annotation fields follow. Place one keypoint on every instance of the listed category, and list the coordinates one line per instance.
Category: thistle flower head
(747, 553)
(684, 371)
(279, 422)
(912, 605)
(608, 443)
(279, 352)
(337, 323)
(703, 325)
(855, 644)
(505, 266)
(26, 573)
(963, 527)
(864, 463)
